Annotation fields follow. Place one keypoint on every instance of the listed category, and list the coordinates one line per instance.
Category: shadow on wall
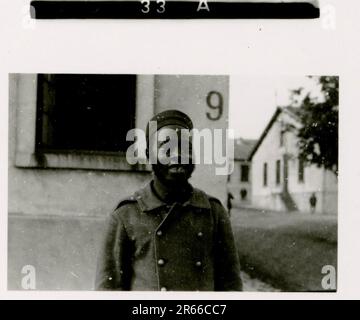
(62, 250)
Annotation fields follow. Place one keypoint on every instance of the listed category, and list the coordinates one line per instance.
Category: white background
(243, 47)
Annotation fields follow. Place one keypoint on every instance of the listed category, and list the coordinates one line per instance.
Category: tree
(318, 136)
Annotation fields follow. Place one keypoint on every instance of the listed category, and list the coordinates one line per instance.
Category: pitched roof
(293, 111)
(242, 148)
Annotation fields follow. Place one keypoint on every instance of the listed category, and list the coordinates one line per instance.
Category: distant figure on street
(313, 203)
(229, 203)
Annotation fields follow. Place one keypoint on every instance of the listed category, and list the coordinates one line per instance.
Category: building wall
(269, 151)
(316, 180)
(235, 185)
(57, 210)
(190, 95)
(68, 187)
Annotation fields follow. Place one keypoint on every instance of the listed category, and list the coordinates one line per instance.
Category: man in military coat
(169, 235)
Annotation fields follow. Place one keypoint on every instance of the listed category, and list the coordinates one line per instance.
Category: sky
(253, 100)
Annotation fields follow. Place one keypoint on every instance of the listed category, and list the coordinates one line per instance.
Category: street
(282, 251)
(255, 285)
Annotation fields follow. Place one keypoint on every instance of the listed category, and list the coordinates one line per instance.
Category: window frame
(39, 146)
(265, 174)
(278, 172)
(26, 154)
(282, 138)
(242, 165)
(301, 171)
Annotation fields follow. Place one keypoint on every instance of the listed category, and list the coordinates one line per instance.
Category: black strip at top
(173, 10)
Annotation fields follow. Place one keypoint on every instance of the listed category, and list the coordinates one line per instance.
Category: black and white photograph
(138, 182)
(179, 158)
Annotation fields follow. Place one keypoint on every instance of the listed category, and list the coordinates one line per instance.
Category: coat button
(200, 234)
(163, 289)
(161, 262)
(159, 233)
(198, 263)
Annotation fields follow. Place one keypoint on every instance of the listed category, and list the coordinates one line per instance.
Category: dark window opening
(278, 166)
(282, 133)
(244, 173)
(301, 170)
(265, 175)
(77, 112)
(243, 194)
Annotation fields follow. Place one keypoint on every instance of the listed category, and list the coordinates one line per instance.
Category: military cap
(170, 117)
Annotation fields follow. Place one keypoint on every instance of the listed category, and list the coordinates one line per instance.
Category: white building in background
(239, 182)
(280, 181)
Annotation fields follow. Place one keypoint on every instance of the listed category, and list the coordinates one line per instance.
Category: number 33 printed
(159, 9)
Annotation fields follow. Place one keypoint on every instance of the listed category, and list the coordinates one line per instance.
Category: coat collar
(148, 201)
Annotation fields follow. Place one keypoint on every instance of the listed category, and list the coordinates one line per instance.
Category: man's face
(172, 149)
